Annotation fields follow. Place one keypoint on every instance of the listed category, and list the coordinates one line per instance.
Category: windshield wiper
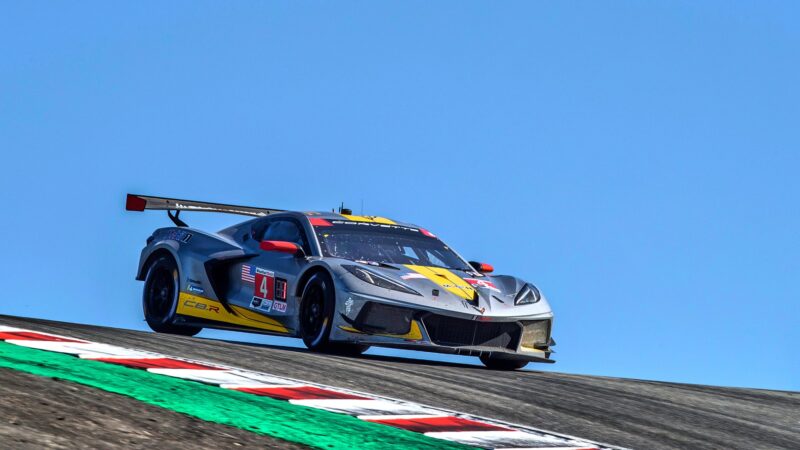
(457, 268)
(375, 263)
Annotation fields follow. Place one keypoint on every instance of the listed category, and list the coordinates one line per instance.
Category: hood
(461, 291)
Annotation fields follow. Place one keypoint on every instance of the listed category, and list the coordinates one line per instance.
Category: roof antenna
(343, 210)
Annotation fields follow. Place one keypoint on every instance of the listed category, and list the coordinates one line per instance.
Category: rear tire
(317, 307)
(495, 363)
(160, 297)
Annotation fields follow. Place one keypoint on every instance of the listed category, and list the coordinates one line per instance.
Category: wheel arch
(158, 252)
(311, 271)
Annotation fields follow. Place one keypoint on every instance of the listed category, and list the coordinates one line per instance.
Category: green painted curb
(281, 419)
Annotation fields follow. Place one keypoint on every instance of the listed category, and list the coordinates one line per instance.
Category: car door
(268, 279)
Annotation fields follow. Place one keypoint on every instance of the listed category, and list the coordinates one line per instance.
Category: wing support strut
(174, 218)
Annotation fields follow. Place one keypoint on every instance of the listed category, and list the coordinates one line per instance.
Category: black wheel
(317, 307)
(160, 299)
(496, 363)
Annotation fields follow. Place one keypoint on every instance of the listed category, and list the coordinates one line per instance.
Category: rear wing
(144, 202)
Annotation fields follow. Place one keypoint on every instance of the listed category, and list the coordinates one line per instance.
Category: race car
(339, 281)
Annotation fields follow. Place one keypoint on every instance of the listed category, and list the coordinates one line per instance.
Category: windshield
(381, 243)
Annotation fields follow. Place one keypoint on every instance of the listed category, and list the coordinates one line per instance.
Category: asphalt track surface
(628, 413)
(38, 412)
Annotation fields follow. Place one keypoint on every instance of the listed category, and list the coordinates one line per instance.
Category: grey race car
(340, 282)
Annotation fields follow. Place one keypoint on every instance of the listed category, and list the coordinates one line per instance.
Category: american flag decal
(248, 273)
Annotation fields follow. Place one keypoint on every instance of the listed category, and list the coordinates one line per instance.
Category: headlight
(378, 280)
(528, 295)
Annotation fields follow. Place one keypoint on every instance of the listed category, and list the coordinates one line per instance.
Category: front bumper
(386, 325)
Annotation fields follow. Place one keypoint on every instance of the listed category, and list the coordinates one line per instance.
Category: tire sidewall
(325, 283)
(161, 263)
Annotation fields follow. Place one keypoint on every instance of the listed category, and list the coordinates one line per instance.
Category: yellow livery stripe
(413, 334)
(205, 308)
(446, 279)
(371, 219)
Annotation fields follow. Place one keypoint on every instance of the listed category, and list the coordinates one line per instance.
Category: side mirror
(481, 267)
(283, 247)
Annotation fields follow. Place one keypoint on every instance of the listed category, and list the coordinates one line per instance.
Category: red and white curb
(433, 422)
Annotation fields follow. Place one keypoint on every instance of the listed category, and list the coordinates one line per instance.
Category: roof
(355, 218)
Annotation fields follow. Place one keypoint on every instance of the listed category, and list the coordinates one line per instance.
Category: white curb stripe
(382, 408)
(502, 439)
(373, 408)
(549, 448)
(403, 416)
(277, 383)
(7, 328)
(87, 350)
(230, 378)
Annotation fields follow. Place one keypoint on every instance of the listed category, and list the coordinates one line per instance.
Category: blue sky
(636, 160)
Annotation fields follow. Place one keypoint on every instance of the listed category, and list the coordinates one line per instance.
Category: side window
(286, 230)
(258, 230)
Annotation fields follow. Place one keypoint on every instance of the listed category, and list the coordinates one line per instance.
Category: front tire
(317, 308)
(496, 363)
(160, 297)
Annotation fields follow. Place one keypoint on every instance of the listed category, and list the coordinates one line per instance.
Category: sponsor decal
(266, 305)
(348, 305)
(248, 273)
(373, 225)
(454, 286)
(264, 284)
(482, 284)
(255, 303)
(435, 292)
(178, 235)
(279, 306)
(195, 289)
(280, 289)
(201, 306)
(413, 276)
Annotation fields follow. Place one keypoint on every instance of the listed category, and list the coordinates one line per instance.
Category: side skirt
(196, 310)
